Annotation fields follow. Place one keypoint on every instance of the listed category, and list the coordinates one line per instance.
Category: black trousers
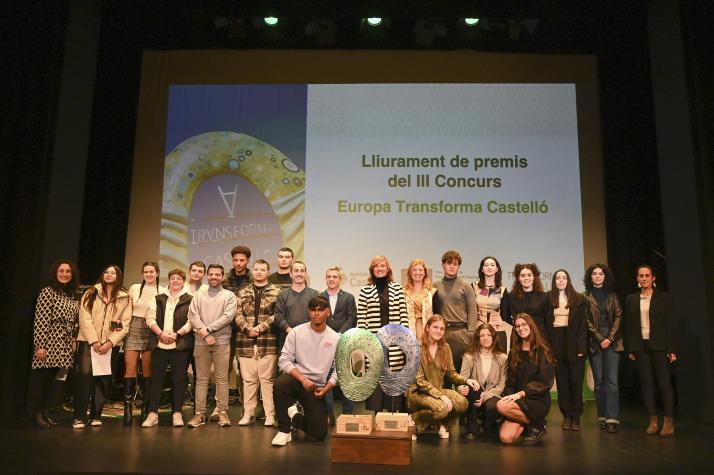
(286, 391)
(654, 366)
(43, 389)
(569, 375)
(378, 401)
(178, 359)
(484, 416)
(86, 384)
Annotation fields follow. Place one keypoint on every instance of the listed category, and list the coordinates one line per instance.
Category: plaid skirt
(138, 337)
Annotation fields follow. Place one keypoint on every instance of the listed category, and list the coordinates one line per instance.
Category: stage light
(374, 21)
(270, 20)
(471, 21)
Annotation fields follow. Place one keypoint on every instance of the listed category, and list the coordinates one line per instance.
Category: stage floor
(213, 450)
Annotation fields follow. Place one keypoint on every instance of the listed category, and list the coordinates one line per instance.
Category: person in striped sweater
(381, 303)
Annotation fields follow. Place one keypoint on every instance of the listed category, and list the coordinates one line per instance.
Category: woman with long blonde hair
(418, 293)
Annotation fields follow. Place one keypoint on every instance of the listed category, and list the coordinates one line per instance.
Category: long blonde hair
(410, 281)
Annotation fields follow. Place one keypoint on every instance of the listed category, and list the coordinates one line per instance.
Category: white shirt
(171, 303)
(148, 296)
(560, 314)
(645, 316)
(333, 300)
(486, 360)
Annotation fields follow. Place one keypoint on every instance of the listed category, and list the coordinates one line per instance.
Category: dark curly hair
(70, 288)
(608, 285)
(517, 289)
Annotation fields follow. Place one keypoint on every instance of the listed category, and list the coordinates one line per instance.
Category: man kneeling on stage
(308, 361)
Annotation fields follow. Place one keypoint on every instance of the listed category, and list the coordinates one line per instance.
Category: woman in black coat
(530, 377)
(527, 296)
(568, 331)
(650, 341)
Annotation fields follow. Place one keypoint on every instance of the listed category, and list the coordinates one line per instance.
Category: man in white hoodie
(308, 361)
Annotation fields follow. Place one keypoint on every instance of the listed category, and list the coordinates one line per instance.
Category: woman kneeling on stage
(530, 377)
(430, 402)
(488, 365)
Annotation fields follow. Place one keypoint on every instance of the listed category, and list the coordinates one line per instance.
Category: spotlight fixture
(374, 21)
(471, 21)
(270, 20)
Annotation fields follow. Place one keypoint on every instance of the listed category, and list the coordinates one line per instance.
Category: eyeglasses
(521, 325)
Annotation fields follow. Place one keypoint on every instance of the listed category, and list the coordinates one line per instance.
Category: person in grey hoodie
(210, 314)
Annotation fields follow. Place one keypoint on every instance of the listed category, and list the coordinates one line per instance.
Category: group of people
(284, 336)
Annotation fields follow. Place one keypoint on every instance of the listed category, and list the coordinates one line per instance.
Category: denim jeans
(607, 391)
(348, 407)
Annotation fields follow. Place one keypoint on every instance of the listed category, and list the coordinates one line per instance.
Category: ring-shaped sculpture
(396, 383)
(359, 388)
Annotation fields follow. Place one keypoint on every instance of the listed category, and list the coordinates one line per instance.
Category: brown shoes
(667, 427)
(652, 427)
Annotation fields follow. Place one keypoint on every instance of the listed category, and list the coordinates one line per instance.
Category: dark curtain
(32, 36)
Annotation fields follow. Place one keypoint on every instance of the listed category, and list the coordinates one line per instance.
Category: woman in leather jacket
(604, 314)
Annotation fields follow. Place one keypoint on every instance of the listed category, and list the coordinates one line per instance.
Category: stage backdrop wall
(342, 155)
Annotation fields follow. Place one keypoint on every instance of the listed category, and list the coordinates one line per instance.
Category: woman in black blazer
(527, 296)
(650, 341)
(568, 332)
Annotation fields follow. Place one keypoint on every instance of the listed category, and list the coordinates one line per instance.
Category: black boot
(40, 421)
(474, 425)
(129, 389)
(145, 398)
(48, 418)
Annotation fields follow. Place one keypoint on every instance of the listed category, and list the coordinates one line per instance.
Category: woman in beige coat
(487, 364)
(418, 294)
(104, 316)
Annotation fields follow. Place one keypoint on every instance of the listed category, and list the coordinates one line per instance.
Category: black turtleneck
(382, 284)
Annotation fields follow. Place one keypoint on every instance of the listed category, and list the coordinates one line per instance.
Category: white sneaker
(443, 432)
(178, 419)
(270, 421)
(246, 420)
(95, 423)
(282, 438)
(77, 424)
(152, 419)
(293, 410)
